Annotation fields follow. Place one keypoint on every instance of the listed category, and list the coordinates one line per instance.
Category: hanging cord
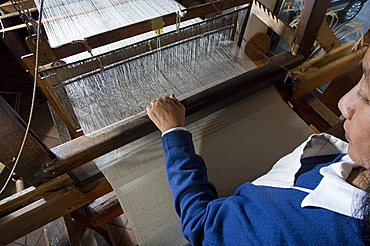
(179, 15)
(2, 27)
(289, 71)
(89, 50)
(33, 97)
(157, 26)
(25, 15)
(159, 52)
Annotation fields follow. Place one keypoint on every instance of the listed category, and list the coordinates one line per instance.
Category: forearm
(187, 177)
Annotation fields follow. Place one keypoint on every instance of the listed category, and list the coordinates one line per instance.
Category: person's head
(355, 107)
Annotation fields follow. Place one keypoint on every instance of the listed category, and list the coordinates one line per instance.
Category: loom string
(33, 98)
(89, 50)
(211, 31)
(151, 86)
(104, 54)
(95, 106)
(2, 26)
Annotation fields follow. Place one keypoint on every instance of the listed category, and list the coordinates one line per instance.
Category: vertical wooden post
(35, 154)
(311, 19)
(61, 232)
(54, 100)
(244, 26)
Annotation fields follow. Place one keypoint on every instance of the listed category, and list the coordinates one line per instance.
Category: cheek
(359, 130)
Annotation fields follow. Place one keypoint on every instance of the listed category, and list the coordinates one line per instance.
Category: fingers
(166, 112)
(170, 98)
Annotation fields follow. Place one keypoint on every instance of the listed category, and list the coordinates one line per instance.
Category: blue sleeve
(187, 176)
(205, 218)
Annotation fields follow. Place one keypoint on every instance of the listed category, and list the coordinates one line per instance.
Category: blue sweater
(256, 215)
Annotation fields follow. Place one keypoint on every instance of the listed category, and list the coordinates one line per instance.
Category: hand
(166, 112)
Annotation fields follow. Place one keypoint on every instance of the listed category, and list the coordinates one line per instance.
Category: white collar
(283, 172)
(333, 192)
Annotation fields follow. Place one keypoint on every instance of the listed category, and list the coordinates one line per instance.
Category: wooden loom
(57, 194)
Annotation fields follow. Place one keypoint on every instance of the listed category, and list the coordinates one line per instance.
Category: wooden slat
(338, 131)
(29, 195)
(104, 209)
(34, 153)
(325, 70)
(316, 122)
(13, 28)
(9, 8)
(52, 98)
(4, 173)
(311, 20)
(323, 111)
(339, 86)
(89, 147)
(14, 41)
(15, 14)
(326, 37)
(62, 202)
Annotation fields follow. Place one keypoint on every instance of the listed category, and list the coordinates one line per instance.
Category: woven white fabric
(239, 143)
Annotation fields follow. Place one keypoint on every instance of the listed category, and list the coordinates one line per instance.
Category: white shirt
(333, 192)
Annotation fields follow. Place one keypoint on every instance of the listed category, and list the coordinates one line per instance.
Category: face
(355, 107)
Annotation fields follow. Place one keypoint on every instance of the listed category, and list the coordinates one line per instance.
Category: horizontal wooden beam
(59, 203)
(8, 7)
(13, 28)
(31, 194)
(15, 14)
(86, 148)
(316, 72)
(323, 110)
(104, 209)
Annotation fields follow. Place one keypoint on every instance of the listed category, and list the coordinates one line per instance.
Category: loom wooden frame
(43, 204)
(50, 55)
